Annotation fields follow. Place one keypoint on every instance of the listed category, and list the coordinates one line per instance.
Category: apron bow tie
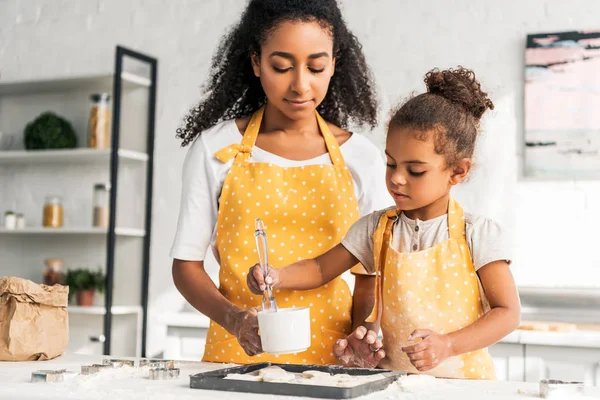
(230, 152)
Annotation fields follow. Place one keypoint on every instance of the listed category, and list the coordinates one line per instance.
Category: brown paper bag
(34, 322)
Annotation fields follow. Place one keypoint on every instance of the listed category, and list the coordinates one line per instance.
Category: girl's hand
(256, 280)
(429, 352)
(360, 349)
(245, 329)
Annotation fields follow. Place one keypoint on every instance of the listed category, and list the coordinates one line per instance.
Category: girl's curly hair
(451, 108)
(233, 91)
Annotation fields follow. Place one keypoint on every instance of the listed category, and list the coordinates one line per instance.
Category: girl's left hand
(429, 352)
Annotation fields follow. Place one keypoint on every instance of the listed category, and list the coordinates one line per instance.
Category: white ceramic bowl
(285, 331)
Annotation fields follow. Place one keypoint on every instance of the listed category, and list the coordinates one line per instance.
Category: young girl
(261, 150)
(444, 290)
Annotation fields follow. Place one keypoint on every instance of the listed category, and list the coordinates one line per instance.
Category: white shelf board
(131, 232)
(68, 84)
(98, 310)
(66, 156)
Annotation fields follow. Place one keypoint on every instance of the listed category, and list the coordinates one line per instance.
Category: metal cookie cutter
(157, 363)
(58, 375)
(116, 363)
(94, 368)
(164, 373)
(551, 388)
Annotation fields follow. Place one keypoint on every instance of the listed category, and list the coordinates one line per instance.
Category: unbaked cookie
(315, 374)
(276, 374)
(244, 377)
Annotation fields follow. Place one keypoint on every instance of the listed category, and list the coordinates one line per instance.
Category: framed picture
(562, 105)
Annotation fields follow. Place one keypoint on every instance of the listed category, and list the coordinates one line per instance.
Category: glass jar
(101, 205)
(20, 223)
(53, 273)
(53, 212)
(99, 121)
(10, 220)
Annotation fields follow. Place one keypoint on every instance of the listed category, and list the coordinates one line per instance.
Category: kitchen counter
(577, 338)
(126, 383)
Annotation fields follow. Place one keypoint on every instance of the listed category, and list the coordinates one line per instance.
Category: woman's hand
(245, 329)
(360, 349)
(429, 352)
(256, 279)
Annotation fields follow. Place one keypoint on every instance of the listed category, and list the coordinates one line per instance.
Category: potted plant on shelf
(84, 283)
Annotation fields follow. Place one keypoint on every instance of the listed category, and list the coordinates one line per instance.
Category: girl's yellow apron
(306, 211)
(436, 289)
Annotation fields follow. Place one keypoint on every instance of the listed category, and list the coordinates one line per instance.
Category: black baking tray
(213, 380)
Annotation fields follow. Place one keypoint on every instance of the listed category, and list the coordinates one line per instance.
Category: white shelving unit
(69, 84)
(73, 156)
(28, 176)
(132, 232)
(98, 310)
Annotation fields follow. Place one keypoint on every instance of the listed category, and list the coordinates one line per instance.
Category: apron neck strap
(456, 220)
(253, 128)
(332, 146)
(383, 238)
(251, 132)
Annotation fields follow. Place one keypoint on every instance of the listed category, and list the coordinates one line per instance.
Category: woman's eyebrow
(290, 56)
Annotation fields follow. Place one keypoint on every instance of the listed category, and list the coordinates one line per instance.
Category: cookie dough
(244, 377)
(315, 374)
(272, 370)
(276, 375)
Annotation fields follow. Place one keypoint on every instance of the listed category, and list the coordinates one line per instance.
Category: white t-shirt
(486, 238)
(203, 177)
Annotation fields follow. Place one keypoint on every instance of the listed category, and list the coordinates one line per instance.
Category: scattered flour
(416, 383)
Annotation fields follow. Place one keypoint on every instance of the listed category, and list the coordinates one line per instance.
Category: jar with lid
(99, 121)
(10, 220)
(53, 212)
(101, 205)
(53, 273)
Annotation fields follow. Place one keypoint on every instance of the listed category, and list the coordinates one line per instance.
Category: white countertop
(133, 384)
(580, 338)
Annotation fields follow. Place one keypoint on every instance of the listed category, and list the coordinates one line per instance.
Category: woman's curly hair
(233, 91)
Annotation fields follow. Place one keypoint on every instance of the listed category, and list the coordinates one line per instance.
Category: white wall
(550, 221)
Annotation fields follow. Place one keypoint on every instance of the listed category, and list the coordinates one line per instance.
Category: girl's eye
(281, 70)
(316, 71)
(413, 173)
(390, 165)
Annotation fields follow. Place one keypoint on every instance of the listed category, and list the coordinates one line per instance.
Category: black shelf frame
(152, 63)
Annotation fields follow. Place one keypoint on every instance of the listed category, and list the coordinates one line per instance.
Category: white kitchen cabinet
(509, 361)
(186, 336)
(562, 362)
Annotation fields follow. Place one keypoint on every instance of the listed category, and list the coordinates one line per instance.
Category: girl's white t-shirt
(203, 177)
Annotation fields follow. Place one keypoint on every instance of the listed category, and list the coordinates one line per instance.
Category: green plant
(49, 131)
(84, 279)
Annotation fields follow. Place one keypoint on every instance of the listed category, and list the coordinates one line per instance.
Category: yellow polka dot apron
(434, 289)
(306, 211)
